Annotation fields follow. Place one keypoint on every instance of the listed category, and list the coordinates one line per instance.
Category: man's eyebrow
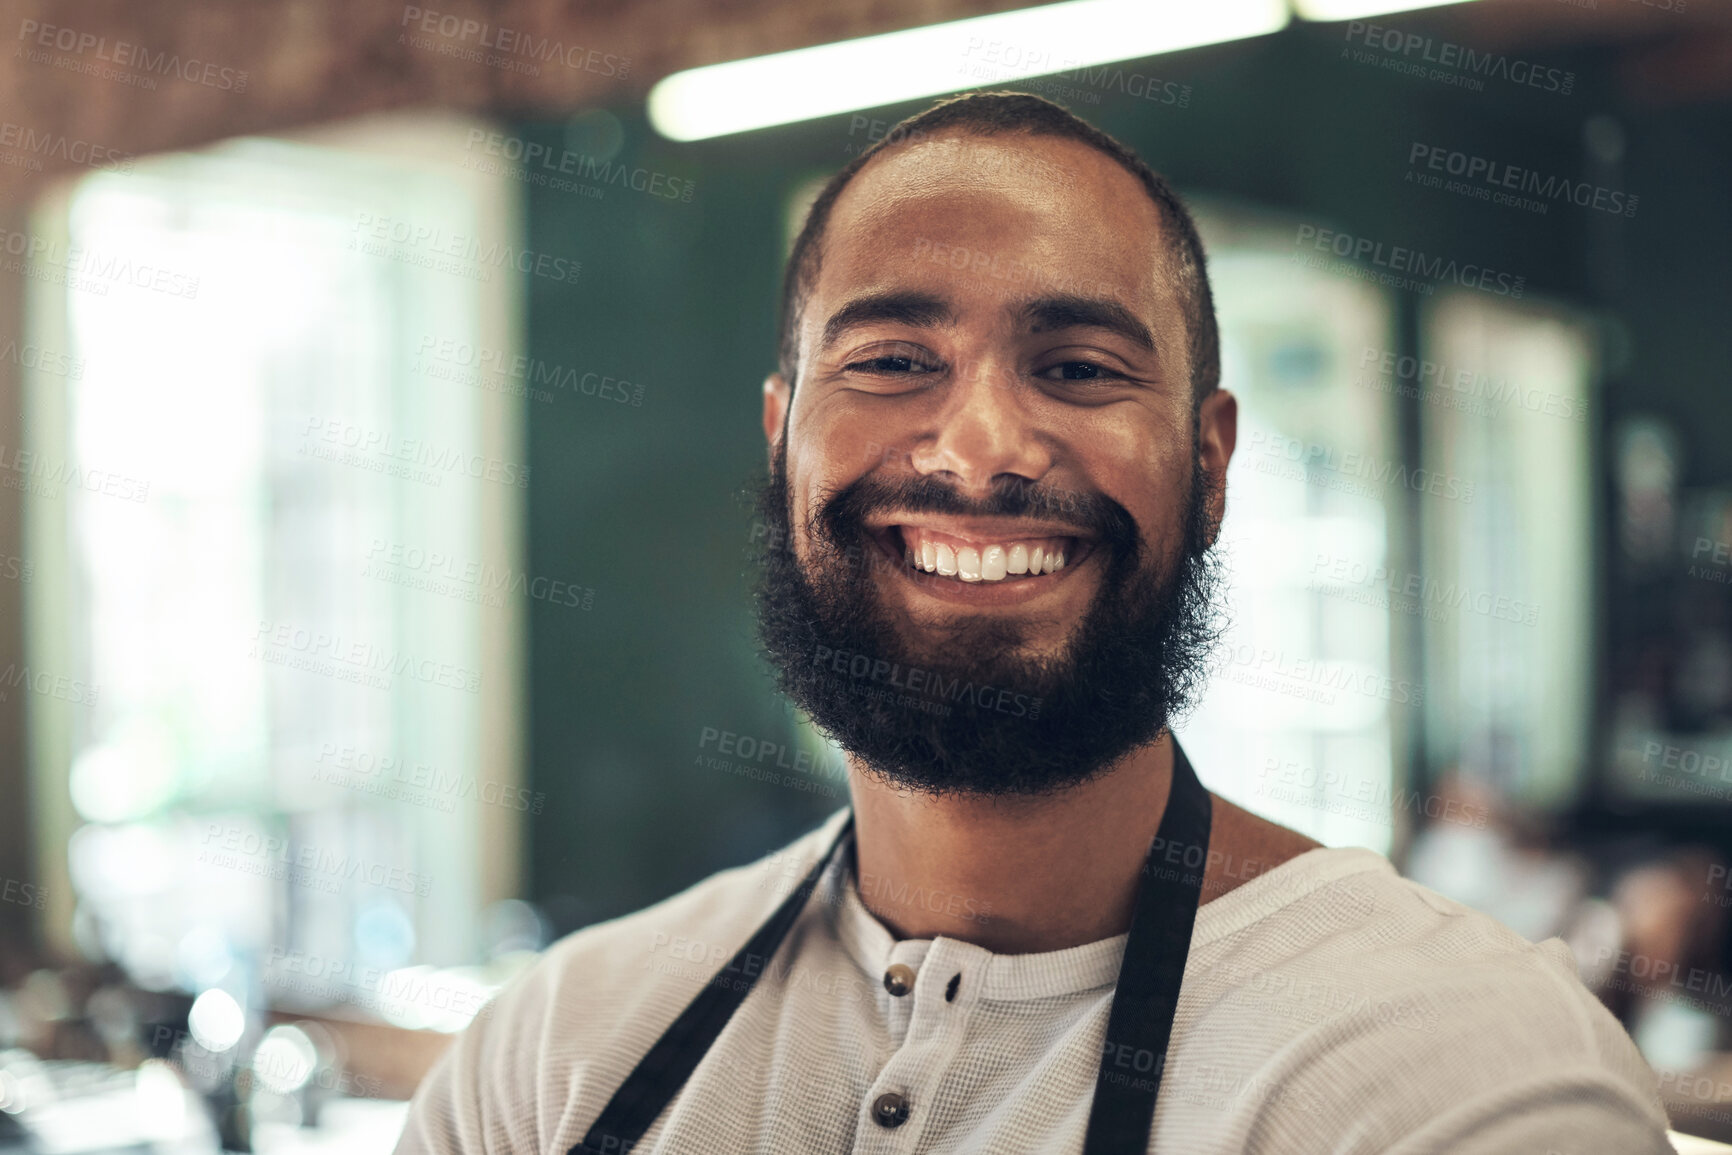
(923, 310)
(1069, 312)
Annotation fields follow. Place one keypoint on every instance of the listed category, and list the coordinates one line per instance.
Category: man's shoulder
(558, 1040)
(727, 905)
(1373, 974)
(649, 964)
(1347, 912)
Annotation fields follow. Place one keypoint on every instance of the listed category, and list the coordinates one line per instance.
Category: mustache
(842, 517)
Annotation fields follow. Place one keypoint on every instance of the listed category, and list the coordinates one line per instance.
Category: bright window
(294, 594)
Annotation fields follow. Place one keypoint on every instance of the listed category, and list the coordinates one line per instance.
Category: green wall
(643, 502)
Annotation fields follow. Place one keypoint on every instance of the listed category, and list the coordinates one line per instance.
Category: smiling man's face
(999, 506)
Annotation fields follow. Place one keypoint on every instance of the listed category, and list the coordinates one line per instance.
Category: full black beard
(993, 723)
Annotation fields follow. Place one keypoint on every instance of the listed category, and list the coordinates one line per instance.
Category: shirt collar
(1073, 970)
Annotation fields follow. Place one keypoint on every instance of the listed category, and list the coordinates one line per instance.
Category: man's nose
(984, 428)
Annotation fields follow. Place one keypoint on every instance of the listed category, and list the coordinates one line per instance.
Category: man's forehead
(1010, 214)
(1007, 160)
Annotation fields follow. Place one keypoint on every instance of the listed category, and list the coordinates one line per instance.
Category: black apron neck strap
(659, 1075)
(1139, 1024)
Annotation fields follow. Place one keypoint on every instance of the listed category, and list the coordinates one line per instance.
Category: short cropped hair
(998, 114)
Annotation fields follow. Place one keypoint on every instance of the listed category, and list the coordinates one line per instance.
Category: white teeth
(976, 563)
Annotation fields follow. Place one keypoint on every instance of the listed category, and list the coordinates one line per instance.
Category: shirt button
(890, 1110)
(899, 979)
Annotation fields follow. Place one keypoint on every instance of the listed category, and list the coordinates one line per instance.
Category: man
(998, 450)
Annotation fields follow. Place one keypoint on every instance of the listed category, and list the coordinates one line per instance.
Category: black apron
(1139, 1024)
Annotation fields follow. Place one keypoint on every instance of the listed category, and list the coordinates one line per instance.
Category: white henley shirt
(1328, 1006)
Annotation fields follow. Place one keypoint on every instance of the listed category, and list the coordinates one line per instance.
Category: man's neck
(1023, 875)
(1012, 875)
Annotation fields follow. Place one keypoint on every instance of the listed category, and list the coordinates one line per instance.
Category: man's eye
(1079, 371)
(888, 364)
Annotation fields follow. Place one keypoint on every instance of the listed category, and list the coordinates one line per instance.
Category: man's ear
(777, 396)
(1217, 434)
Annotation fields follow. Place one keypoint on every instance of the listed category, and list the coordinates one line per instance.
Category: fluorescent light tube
(1360, 9)
(1002, 48)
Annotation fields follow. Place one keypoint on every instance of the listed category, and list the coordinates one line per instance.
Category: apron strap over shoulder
(658, 1077)
(1140, 1023)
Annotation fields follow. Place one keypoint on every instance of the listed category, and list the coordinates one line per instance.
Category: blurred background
(379, 402)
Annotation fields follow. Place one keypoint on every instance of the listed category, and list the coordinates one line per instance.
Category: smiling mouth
(989, 560)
